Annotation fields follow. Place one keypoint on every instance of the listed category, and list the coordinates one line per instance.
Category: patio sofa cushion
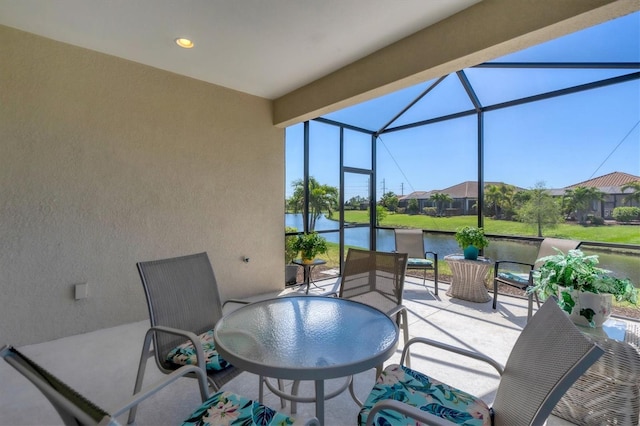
(185, 354)
(512, 276)
(414, 261)
(419, 390)
(227, 408)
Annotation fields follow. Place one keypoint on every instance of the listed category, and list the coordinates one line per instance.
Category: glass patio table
(306, 338)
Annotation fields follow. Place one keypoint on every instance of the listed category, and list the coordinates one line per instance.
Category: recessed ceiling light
(184, 42)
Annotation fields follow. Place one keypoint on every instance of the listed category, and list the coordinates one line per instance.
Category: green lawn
(623, 234)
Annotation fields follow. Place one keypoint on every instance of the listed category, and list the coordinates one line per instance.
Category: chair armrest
(187, 335)
(238, 301)
(151, 390)
(407, 410)
(396, 310)
(432, 253)
(512, 262)
(464, 352)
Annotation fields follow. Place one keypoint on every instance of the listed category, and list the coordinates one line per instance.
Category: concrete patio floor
(102, 365)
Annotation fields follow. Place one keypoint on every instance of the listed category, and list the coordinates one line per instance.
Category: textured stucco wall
(105, 162)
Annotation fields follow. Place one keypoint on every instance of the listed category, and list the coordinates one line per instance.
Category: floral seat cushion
(228, 409)
(416, 261)
(411, 387)
(512, 276)
(185, 354)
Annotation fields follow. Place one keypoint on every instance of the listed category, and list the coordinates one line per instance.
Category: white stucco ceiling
(265, 48)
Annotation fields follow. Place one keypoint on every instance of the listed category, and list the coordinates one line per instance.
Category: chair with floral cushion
(519, 274)
(548, 357)
(184, 306)
(411, 241)
(221, 408)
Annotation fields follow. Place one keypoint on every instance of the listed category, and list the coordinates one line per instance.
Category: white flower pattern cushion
(185, 354)
(229, 409)
(429, 395)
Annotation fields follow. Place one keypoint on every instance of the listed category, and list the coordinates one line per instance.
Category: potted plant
(584, 290)
(309, 246)
(290, 270)
(471, 240)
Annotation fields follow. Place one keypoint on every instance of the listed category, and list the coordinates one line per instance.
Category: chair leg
(146, 354)
(435, 274)
(530, 307)
(495, 293)
(405, 332)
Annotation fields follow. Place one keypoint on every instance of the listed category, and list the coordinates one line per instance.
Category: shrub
(595, 220)
(430, 211)
(626, 214)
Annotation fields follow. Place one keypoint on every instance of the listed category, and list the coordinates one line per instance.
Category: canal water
(623, 265)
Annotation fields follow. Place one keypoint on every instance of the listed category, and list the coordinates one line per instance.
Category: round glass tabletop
(306, 338)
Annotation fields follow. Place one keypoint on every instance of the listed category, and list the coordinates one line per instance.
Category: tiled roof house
(465, 194)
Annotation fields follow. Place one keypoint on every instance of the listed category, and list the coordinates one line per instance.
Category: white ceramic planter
(600, 303)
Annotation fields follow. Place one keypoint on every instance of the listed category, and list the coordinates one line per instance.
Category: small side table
(307, 270)
(609, 391)
(467, 281)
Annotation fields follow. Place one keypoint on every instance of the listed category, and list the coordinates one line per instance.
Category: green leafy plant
(561, 274)
(310, 245)
(471, 236)
(290, 252)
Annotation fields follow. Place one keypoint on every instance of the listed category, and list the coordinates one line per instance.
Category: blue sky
(559, 142)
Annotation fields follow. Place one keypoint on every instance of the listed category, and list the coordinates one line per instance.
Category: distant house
(611, 185)
(465, 195)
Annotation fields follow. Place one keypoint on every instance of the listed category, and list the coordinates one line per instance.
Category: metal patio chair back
(411, 241)
(548, 357)
(519, 274)
(184, 303)
(377, 279)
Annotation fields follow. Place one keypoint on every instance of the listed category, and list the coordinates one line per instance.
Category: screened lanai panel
(497, 85)
(614, 41)
(324, 167)
(294, 172)
(417, 162)
(560, 142)
(357, 149)
(374, 114)
(446, 98)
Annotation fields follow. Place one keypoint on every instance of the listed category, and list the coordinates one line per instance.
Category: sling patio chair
(184, 306)
(376, 278)
(411, 241)
(548, 357)
(75, 409)
(505, 271)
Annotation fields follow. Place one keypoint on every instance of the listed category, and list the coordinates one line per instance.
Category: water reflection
(623, 265)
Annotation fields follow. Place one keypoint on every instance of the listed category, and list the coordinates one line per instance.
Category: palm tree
(635, 195)
(321, 198)
(439, 198)
(498, 197)
(578, 200)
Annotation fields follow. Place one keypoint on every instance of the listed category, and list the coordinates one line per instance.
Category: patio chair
(411, 241)
(75, 409)
(548, 357)
(376, 278)
(505, 273)
(184, 306)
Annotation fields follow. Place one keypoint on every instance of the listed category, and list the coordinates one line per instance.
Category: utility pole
(384, 190)
(401, 188)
